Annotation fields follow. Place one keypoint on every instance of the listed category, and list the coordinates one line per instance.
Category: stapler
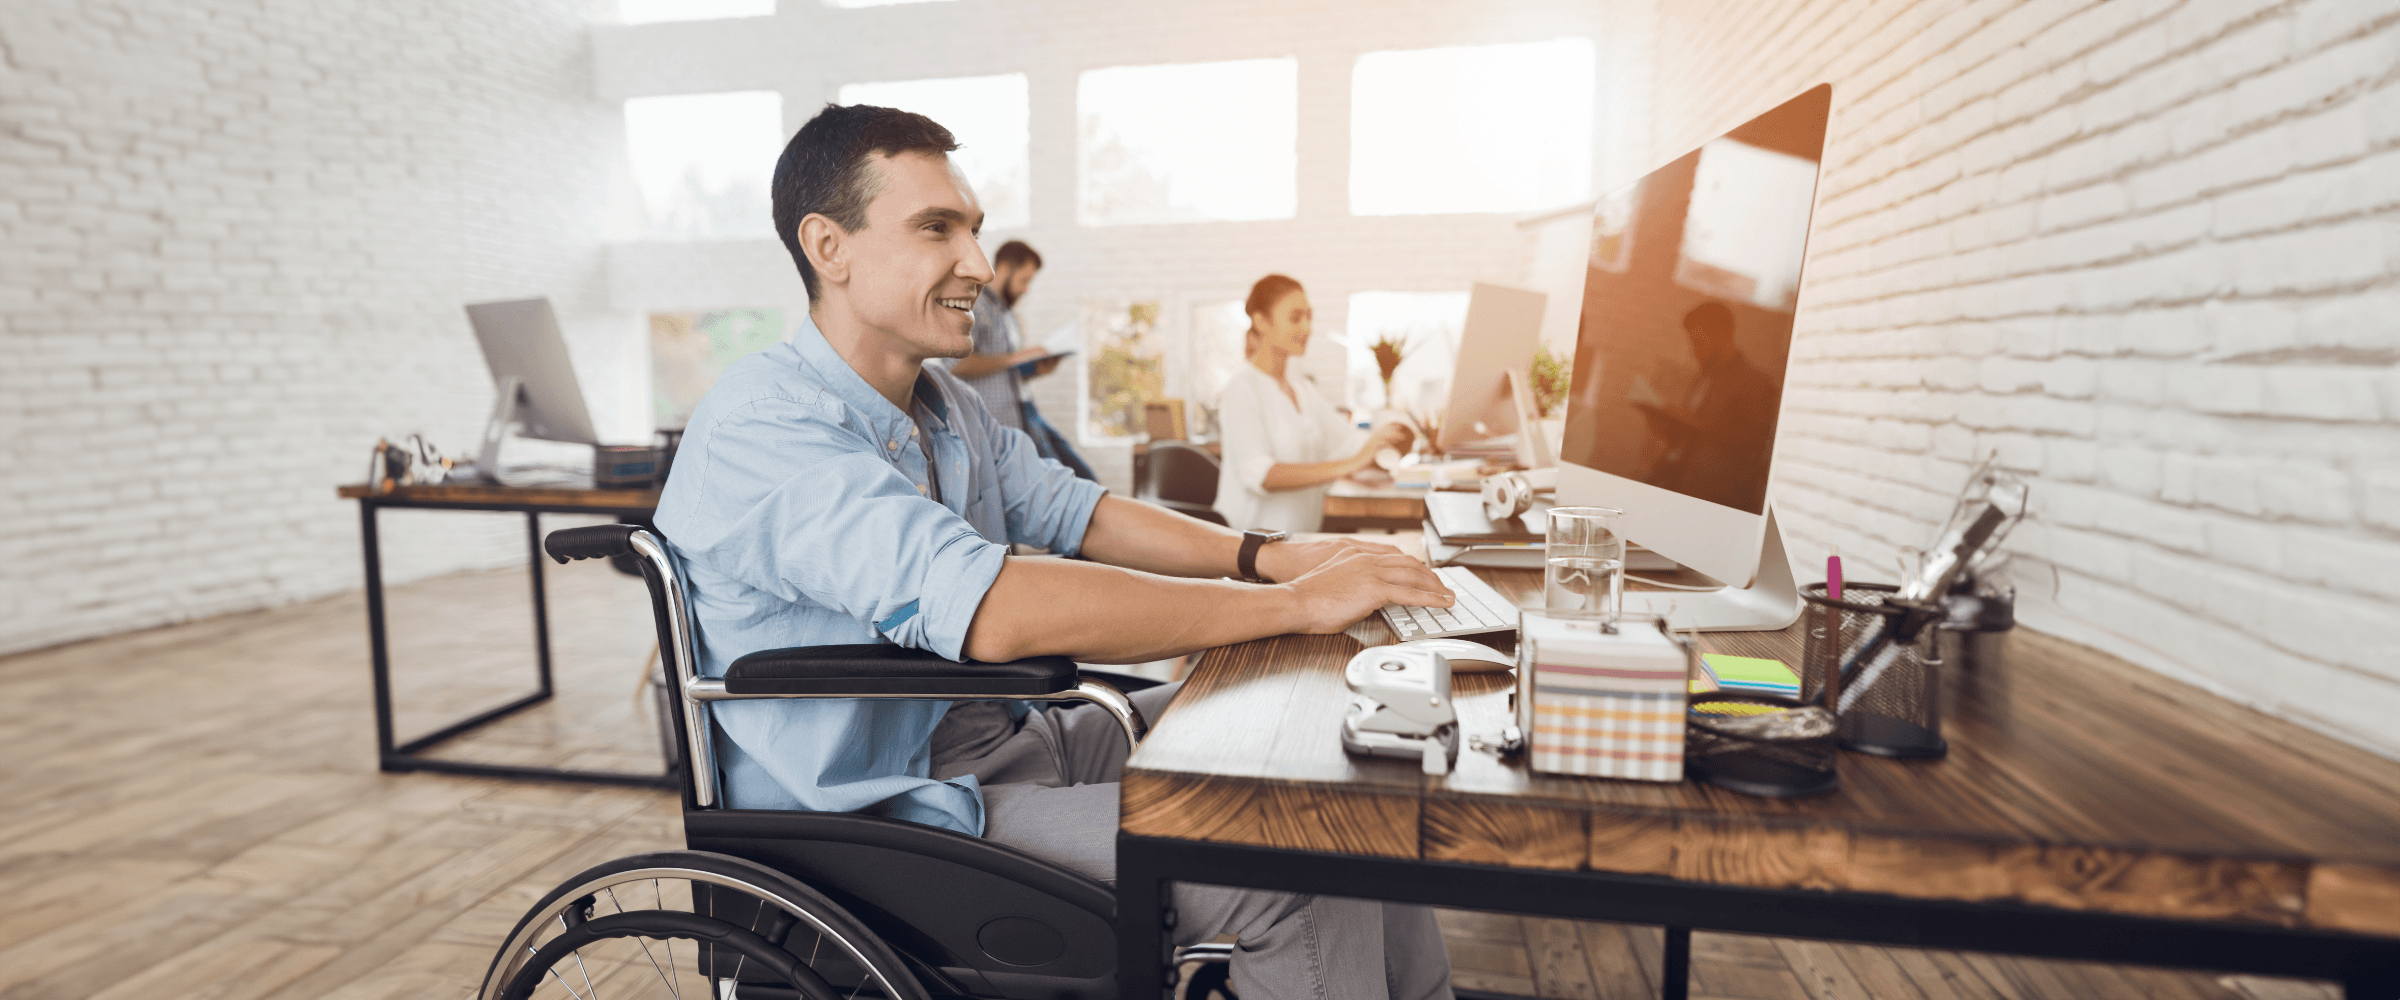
(1400, 707)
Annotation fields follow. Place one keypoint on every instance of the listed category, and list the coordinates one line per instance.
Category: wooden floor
(194, 812)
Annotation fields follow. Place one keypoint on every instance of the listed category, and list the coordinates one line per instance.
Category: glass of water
(1585, 560)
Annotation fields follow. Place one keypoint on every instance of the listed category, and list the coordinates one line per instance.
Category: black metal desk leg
(1675, 972)
(378, 653)
(1143, 972)
(541, 600)
(2376, 984)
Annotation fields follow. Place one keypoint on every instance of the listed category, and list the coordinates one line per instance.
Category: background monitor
(1688, 304)
(521, 338)
(1503, 329)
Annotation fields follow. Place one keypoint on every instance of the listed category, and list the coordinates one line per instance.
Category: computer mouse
(1466, 656)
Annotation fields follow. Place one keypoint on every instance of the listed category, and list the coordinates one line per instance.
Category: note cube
(1606, 701)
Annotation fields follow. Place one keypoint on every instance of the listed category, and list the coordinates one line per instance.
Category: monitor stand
(1770, 602)
(504, 416)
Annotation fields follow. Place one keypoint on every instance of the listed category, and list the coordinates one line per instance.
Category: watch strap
(1247, 562)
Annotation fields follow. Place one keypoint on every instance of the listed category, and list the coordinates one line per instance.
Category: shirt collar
(851, 388)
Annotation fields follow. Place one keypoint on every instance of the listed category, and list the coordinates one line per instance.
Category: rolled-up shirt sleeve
(823, 518)
(1045, 503)
(1242, 426)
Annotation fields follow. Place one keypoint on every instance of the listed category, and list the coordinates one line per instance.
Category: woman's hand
(1394, 436)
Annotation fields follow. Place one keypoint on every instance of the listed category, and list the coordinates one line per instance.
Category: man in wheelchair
(834, 489)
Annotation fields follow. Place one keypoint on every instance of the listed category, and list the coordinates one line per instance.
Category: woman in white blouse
(1284, 444)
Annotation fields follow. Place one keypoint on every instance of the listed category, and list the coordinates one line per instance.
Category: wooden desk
(2087, 809)
(1351, 506)
(533, 502)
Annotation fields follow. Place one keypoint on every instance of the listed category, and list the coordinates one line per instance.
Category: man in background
(994, 371)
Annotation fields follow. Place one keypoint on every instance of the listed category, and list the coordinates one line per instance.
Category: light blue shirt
(801, 510)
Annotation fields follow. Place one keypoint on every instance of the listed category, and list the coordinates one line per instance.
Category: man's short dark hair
(824, 170)
(1015, 252)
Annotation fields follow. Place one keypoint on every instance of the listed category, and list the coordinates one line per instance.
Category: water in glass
(1585, 561)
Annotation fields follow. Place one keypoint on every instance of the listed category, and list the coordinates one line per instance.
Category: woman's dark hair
(1263, 296)
(824, 169)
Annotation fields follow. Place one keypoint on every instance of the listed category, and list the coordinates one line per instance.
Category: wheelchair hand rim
(518, 950)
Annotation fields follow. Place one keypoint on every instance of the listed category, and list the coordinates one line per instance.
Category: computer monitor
(1688, 304)
(1504, 327)
(520, 338)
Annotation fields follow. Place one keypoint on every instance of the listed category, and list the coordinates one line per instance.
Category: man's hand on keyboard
(1284, 562)
(1354, 582)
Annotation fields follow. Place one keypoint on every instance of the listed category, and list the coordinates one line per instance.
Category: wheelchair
(822, 906)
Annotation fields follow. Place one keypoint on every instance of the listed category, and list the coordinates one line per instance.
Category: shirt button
(920, 487)
(912, 432)
(893, 445)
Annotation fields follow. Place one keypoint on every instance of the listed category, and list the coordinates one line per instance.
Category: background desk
(635, 505)
(2087, 809)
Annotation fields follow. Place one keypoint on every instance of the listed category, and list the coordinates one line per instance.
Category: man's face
(915, 268)
(1011, 282)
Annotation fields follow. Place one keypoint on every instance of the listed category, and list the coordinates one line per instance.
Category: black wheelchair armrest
(875, 670)
(883, 669)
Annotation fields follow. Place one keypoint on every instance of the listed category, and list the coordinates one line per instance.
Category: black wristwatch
(1251, 540)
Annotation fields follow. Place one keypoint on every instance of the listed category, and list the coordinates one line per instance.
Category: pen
(1833, 575)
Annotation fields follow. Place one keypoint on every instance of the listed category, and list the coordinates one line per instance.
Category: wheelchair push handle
(598, 541)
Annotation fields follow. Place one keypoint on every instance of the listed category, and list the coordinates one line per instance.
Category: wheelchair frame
(974, 865)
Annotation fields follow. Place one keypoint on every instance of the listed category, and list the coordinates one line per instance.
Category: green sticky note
(1753, 672)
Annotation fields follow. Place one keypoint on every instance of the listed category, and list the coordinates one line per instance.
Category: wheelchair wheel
(691, 924)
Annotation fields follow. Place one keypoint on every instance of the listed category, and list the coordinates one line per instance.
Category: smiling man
(835, 489)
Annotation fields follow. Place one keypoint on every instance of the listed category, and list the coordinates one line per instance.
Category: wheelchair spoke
(737, 962)
(646, 953)
(564, 985)
(587, 975)
(670, 943)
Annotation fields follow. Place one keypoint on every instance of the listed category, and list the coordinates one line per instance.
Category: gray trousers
(1050, 790)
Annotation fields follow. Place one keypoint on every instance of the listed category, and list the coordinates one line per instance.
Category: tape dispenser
(1400, 707)
(1508, 494)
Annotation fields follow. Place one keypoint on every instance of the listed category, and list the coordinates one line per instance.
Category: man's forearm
(1107, 614)
(1153, 539)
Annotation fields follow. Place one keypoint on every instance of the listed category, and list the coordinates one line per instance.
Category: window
(1483, 128)
(704, 163)
(651, 11)
(990, 118)
(1426, 326)
(689, 350)
(1204, 142)
(871, 3)
(1125, 366)
(1213, 353)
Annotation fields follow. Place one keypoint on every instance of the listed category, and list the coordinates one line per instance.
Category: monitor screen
(1687, 311)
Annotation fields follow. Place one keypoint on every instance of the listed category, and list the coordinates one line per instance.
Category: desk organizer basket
(1899, 715)
(1602, 699)
(1777, 764)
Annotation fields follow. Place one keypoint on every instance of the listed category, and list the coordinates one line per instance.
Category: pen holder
(1889, 702)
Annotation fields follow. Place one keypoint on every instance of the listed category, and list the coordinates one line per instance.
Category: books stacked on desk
(1464, 472)
(1458, 534)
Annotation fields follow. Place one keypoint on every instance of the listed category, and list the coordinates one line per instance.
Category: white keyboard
(1479, 609)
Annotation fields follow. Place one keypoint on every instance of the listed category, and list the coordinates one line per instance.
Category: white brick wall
(234, 242)
(2149, 253)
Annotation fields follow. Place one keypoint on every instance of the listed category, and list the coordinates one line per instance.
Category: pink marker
(1833, 576)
